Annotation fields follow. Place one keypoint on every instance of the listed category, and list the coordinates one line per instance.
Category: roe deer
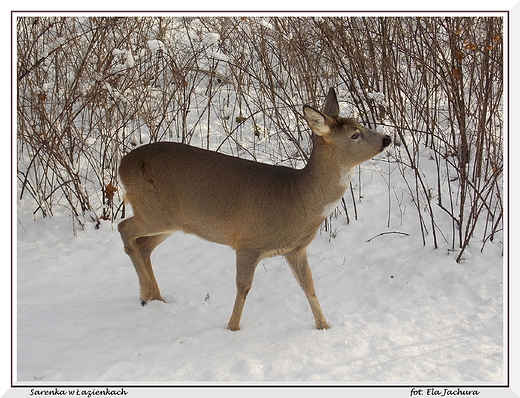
(260, 210)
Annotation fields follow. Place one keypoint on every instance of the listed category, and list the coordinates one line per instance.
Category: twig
(387, 233)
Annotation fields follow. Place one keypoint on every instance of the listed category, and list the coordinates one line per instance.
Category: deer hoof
(323, 326)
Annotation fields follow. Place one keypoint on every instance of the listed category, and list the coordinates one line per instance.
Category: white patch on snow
(126, 59)
(116, 52)
(210, 38)
(130, 61)
(218, 55)
(266, 24)
(155, 45)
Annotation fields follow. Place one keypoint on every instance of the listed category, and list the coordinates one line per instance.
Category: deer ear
(331, 107)
(317, 121)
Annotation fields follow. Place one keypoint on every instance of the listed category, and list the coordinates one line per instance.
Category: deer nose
(387, 140)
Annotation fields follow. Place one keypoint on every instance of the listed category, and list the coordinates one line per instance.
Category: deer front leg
(300, 268)
(246, 263)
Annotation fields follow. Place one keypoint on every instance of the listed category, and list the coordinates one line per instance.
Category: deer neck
(324, 180)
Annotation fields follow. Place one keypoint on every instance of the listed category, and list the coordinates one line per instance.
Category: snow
(155, 45)
(218, 56)
(125, 58)
(399, 312)
(210, 39)
(266, 24)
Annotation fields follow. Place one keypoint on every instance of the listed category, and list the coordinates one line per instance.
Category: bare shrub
(92, 88)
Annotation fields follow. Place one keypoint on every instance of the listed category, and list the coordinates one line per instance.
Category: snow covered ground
(399, 312)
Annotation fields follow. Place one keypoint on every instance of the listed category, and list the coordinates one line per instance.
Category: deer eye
(355, 136)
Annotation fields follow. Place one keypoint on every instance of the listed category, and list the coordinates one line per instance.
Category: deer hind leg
(146, 245)
(246, 265)
(139, 245)
(300, 268)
